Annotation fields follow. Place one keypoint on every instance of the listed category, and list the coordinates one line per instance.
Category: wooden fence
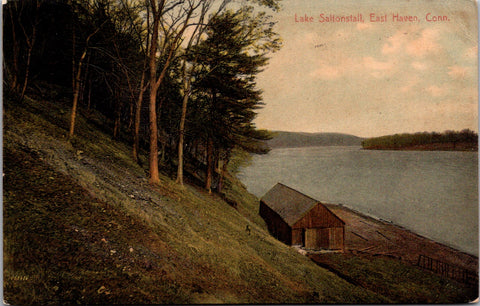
(456, 273)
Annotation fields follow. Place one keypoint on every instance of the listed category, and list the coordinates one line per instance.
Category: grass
(63, 246)
(400, 282)
(82, 225)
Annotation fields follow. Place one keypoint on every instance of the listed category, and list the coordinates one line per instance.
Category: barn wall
(325, 238)
(337, 237)
(311, 238)
(275, 224)
(319, 228)
(319, 216)
(298, 236)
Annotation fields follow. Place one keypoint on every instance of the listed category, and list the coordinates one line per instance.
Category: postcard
(240, 152)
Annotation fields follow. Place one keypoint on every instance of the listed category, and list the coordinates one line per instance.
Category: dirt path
(366, 235)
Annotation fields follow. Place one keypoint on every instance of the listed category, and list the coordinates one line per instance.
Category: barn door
(311, 238)
(336, 238)
(321, 238)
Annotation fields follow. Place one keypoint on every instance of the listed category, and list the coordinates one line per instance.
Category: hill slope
(82, 225)
(294, 139)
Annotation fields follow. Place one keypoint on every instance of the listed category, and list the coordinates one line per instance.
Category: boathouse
(297, 219)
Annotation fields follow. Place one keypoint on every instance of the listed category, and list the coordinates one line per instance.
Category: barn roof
(289, 203)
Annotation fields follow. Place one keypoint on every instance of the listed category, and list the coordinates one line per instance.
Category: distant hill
(465, 140)
(295, 139)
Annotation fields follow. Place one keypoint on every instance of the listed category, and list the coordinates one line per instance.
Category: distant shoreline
(314, 146)
(283, 139)
(465, 140)
(463, 146)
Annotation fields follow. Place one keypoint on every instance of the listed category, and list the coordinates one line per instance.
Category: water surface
(433, 193)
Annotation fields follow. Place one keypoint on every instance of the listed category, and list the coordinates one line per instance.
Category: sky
(373, 78)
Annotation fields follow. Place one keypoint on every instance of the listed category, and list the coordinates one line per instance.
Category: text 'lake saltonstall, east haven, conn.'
(371, 17)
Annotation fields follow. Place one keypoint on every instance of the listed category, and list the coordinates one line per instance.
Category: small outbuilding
(297, 219)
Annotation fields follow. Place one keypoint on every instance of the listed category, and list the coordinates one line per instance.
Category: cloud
(378, 69)
(472, 53)
(363, 26)
(327, 72)
(345, 65)
(425, 44)
(394, 43)
(421, 66)
(436, 91)
(334, 66)
(402, 41)
(310, 38)
(410, 84)
(457, 72)
(372, 63)
(454, 107)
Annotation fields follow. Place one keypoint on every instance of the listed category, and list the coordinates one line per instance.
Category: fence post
(445, 269)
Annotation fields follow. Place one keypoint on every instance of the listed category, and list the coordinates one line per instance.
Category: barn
(297, 219)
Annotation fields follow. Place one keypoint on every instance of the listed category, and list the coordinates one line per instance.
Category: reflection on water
(433, 193)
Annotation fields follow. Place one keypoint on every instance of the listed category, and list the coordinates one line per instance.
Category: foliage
(449, 140)
(101, 54)
(295, 139)
(226, 97)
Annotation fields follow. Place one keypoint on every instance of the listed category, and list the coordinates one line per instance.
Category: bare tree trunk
(89, 100)
(194, 39)
(27, 68)
(30, 43)
(181, 140)
(118, 113)
(15, 53)
(138, 112)
(154, 177)
(116, 127)
(210, 165)
(84, 80)
(170, 49)
(138, 106)
(74, 64)
(131, 116)
(153, 156)
(224, 170)
(76, 89)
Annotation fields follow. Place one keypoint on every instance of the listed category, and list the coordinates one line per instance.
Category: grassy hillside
(294, 139)
(82, 225)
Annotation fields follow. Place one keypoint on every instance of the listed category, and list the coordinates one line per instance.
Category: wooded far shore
(465, 140)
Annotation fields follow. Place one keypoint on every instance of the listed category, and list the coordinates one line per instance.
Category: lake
(433, 193)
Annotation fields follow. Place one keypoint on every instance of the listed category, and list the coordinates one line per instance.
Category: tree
(24, 18)
(30, 40)
(189, 66)
(172, 18)
(201, 78)
(77, 66)
(140, 29)
(236, 48)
